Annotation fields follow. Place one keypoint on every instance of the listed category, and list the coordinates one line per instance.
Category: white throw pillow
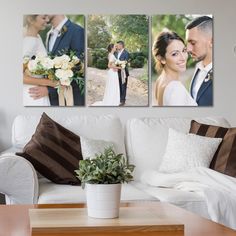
(90, 147)
(185, 151)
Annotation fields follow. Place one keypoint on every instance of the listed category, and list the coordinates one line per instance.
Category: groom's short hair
(121, 42)
(203, 23)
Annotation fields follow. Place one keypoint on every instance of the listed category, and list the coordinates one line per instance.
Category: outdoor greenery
(99, 58)
(106, 168)
(103, 30)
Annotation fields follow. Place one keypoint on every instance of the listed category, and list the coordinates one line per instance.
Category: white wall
(11, 55)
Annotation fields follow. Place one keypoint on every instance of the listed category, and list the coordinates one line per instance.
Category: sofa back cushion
(107, 127)
(146, 139)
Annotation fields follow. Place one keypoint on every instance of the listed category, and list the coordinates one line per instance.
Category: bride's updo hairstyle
(110, 47)
(160, 45)
(27, 19)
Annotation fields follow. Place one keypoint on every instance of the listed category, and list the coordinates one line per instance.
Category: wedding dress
(175, 94)
(112, 90)
(32, 46)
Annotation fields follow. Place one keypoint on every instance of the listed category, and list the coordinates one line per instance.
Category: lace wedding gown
(112, 90)
(175, 94)
(32, 46)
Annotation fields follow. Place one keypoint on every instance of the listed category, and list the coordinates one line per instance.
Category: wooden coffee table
(14, 220)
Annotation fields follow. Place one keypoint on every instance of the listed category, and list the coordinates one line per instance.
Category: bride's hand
(115, 70)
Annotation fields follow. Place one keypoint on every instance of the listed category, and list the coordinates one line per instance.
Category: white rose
(65, 65)
(64, 76)
(57, 62)
(65, 58)
(32, 65)
(40, 57)
(47, 63)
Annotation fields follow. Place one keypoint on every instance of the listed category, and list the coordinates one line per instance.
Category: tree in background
(132, 29)
(105, 29)
(98, 32)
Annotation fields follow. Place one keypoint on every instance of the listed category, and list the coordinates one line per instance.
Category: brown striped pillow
(54, 151)
(224, 159)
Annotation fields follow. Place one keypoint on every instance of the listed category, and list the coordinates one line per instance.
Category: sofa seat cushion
(190, 201)
(55, 193)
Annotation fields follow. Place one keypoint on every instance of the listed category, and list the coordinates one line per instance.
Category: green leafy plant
(106, 168)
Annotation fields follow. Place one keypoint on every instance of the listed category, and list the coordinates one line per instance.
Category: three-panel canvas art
(118, 60)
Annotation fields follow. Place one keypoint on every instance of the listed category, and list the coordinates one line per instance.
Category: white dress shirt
(119, 53)
(54, 33)
(199, 77)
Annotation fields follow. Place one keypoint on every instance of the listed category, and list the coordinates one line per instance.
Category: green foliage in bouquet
(106, 168)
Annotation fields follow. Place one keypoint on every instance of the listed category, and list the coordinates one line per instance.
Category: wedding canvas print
(53, 60)
(117, 72)
(182, 66)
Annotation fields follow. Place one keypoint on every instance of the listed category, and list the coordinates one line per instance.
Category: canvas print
(53, 60)
(117, 72)
(182, 67)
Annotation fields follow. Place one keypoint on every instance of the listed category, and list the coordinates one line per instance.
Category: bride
(32, 45)
(111, 95)
(171, 56)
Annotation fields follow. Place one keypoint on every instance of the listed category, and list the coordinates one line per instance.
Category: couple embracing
(117, 76)
(171, 54)
(64, 35)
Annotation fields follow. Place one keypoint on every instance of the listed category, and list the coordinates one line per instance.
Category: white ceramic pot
(103, 200)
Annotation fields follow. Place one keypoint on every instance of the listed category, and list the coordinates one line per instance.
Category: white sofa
(143, 141)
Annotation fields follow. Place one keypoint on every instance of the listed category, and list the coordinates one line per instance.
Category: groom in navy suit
(64, 36)
(199, 37)
(123, 55)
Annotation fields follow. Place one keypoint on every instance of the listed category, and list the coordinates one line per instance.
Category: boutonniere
(209, 76)
(62, 31)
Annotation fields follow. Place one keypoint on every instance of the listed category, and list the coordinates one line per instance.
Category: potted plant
(102, 176)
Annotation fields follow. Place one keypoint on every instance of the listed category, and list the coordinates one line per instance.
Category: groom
(64, 35)
(199, 45)
(123, 55)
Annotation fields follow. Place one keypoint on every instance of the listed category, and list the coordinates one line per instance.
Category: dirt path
(137, 91)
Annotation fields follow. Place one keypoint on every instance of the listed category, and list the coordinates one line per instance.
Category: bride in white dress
(171, 56)
(111, 95)
(32, 45)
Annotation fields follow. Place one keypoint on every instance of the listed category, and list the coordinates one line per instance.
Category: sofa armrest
(18, 180)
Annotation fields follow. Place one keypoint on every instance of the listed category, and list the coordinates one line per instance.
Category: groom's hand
(38, 92)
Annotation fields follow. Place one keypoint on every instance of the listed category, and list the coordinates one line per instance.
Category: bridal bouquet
(120, 63)
(64, 68)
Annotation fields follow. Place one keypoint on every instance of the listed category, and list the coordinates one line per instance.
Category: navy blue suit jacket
(124, 57)
(72, 38)
(205, 92)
